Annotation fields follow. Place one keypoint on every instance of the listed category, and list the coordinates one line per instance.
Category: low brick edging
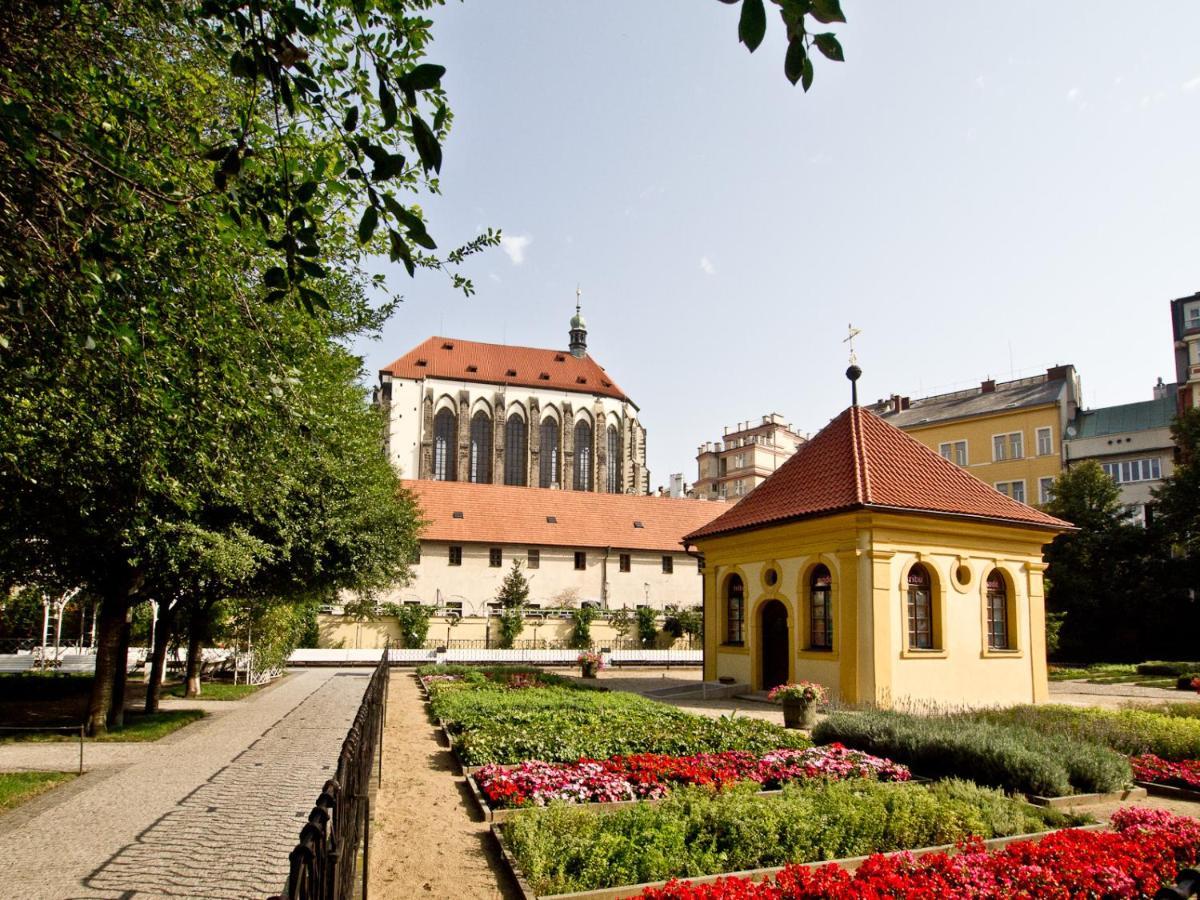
(850, 864)
(1170, 791)
(1070, 800)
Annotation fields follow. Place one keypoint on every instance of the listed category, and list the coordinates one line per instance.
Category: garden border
(850, 864)
(1069, 800)
(1169, 790)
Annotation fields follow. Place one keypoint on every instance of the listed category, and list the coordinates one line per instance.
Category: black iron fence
(326, 863)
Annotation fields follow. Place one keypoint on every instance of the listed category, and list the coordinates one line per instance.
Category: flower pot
(588, 670)
(799, 713)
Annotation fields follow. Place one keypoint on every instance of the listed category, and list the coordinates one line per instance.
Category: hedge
(997, 754)
(1129, 731)
(695, 832)
(1159, 667)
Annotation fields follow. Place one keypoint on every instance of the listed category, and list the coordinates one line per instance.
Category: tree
(797, 63)
(647, 626)
(1175, 530)
(413, 622)
(581, 629)
(513, 596)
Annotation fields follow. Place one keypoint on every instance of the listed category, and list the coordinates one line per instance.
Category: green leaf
(305, 192)
(387, 104)
(406, 217)
(350, 122)
(753, 24)
(793, 62)
(366, 225)
(275, 277)
(827, 11)
(828, 44)
(423, 78)
(806, 77)
(439, 117)
(427, 145)
(313, 298)
(401, 252)
(389, 167)
(312, 269)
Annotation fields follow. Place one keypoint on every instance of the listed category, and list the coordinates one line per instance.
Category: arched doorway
(773, 627)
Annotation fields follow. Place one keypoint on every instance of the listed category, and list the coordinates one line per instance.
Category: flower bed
(994, 754)
(1150, 768)
(649, 776)
(694, 831)
(1128, 731)
(1145, 852)
(489, 723)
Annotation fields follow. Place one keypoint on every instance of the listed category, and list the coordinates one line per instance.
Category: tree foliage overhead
(804, 37)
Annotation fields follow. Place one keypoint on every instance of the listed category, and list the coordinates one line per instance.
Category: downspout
(604, 578)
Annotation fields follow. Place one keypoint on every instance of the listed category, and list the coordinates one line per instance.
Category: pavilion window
(481, 449)
(820, 610)
(445, 439)
(614, 460)
(735, 610)
(583, 456)
(548, 465)
(997, 612)
(516, 451)
(920, 609)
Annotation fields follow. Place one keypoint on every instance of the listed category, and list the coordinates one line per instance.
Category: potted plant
(590, 662)
(799, 699)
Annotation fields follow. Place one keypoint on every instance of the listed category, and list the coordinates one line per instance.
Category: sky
(984, 189)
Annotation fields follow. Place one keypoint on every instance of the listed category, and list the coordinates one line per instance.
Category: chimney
(1057, 373)
(1160, 390)
(904, 403)
(895, 403)
(988, 387)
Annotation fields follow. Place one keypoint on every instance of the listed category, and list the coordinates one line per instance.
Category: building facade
(1007, 434)
(520, 416)
(743, 459)
(872, 565)
(608, 551)
(1185, 327)
(1131, 441)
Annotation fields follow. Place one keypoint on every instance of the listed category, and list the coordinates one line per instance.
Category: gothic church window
(445, 437)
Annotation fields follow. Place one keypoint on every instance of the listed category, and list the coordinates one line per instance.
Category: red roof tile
(500, 514)
(450, 358)
(859, 461)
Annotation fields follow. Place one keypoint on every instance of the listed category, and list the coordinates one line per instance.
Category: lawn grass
(1110, 673)
(17, 787)
(138, 727)
(215, 690)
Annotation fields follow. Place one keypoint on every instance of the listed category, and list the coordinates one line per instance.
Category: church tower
(578, 332)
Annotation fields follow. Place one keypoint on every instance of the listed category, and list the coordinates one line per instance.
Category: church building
(520, 416)
(871, 564)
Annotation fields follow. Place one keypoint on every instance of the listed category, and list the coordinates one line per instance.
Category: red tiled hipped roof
(450, 358)
(501, 514)
(859, 461)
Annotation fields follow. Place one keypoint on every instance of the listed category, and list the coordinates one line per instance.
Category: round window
(963, 575)
(771, 576)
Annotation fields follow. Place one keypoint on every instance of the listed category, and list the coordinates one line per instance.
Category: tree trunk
(163, 632)
(120, 673)
(111, 622)
(195, 642)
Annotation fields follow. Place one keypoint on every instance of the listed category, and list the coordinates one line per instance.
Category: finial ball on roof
(854, 372)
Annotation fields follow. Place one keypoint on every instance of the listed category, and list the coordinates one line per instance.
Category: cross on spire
(849, 339)
(853, 372)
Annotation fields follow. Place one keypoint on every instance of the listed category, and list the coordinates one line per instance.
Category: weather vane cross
(849, 339)
(578, 295)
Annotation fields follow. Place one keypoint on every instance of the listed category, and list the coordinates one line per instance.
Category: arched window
(481, 449)
(997, 611)
(548, 464)
(735, 610)
(820, 610)
(445, 439)
(920, 609)
(583, 456)
(516, 451)
(614, 460)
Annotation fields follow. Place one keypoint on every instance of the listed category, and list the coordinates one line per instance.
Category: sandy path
(427, 838)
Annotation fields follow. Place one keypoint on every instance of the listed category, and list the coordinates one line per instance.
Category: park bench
(16, 662)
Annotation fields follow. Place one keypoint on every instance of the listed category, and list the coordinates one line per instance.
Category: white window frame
(1007, 446)
(1006, 490)
(1144, 465)
(951, 447)
(1049, 432)
(1044, 485)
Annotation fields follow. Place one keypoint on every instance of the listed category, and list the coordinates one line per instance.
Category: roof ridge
(862, 475)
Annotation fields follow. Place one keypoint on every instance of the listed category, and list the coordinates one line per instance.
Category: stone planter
(588, 669)
(799, 713)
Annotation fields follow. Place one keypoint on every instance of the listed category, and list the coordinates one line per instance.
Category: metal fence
(325, 863)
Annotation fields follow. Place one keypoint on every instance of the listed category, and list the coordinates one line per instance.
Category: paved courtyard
(210, 811)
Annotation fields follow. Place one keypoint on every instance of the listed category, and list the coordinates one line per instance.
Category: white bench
(16, 662)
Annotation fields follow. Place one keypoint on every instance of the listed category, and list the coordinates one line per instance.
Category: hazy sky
(986, 189)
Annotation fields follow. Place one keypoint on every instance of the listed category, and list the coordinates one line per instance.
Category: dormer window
(511, 373)
(472, 369)
(447, 346)
(422, 363)
(558, 357)
(545, 376)
(605, 382)
(638, 524)
(551, 520)
(580, 380)
(457, 514)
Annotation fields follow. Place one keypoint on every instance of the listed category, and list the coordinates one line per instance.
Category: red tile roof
(450, 358)
(859, 461)
(500, 514)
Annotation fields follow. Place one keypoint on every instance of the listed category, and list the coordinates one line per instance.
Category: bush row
(1129, 731)
(696, 832)
(990, 753)
(493, 723)
(1159, 667)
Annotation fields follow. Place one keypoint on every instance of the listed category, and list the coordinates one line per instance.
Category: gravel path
(210, 811)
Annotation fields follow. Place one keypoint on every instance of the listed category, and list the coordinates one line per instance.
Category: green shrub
(1178, 710)
(563, 724)
(581, 631)
(413, 622)
(994, 754)
(696, 832)
(1158, 667)
(1128, 731)
(1184, 682)
(647, 626)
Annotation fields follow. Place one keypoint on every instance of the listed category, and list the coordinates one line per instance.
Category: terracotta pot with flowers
(590, 662)
(799, 699)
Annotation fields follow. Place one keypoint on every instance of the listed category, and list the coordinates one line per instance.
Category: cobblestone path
(209, 812)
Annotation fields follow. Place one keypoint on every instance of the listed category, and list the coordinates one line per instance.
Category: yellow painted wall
(978, 433)
(869, 556)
